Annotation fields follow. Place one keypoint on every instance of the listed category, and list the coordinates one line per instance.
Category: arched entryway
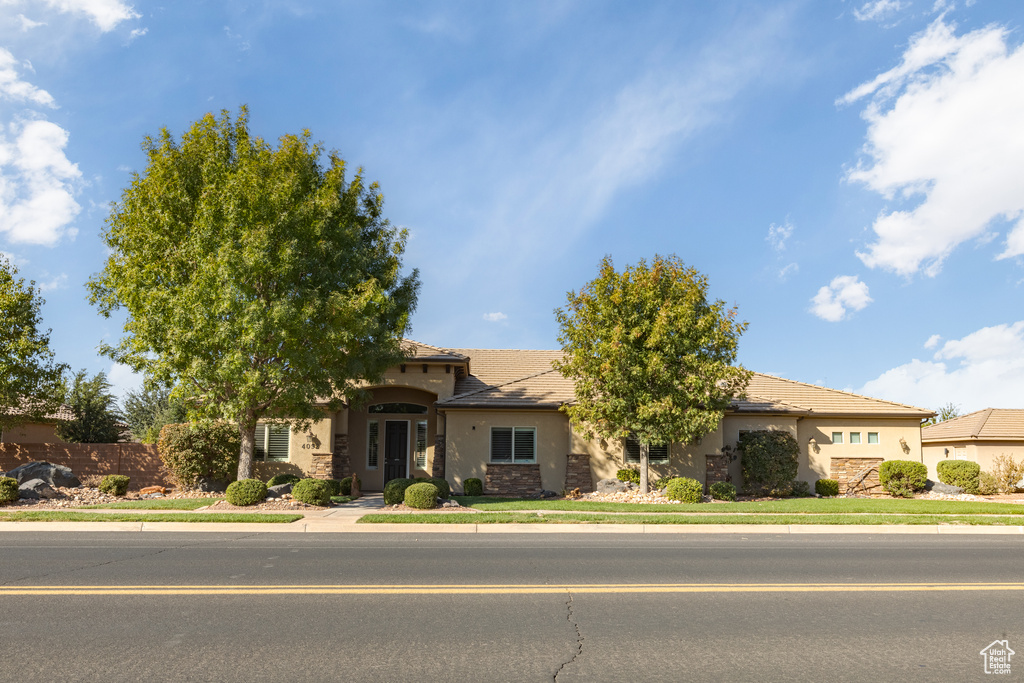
(392, 436)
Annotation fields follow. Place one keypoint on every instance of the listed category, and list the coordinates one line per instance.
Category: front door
(396, 449)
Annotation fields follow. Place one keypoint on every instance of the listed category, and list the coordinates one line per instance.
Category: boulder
(611, 486)
(939, 487)
(54, 475)
(35, 489)
(279, 490)
(210, 485)
(548, 494)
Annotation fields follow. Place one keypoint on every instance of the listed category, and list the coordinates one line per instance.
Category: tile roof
(63, 412)
(816, 400)
(418, 351)
(989, 424)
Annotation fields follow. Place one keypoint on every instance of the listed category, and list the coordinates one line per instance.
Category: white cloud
(984, 369)
(878, 10)
(58, 282)
(933, 341)
(778, 234)
(944, 132)
(784, 273)
(37, 185)
(137, 33)
(495, 317)
(12, 87)
(843, 294)
(27, 23)
(122, 380)
(106, 14)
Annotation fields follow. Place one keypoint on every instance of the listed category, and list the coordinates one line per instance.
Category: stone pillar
(322, 466)
(342, 465)
(517, 480)
(857, 475)
(577, 473)
(437, 467)
(716, 469)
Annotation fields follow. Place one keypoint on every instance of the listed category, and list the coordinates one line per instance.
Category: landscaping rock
(548, 494)
(279, 490)
(939, 487)
(36, 489)
(611, 486)
(56, 476)
(153, 489)
(209, 485)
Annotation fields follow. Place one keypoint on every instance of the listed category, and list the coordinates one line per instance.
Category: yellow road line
(512, 589)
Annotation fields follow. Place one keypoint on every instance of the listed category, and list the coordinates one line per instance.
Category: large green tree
(257, 280)
(148, 409)
(650, 354)
(96, 416)
(30, 381)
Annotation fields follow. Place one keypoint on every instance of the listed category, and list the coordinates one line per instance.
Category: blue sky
(849, 174)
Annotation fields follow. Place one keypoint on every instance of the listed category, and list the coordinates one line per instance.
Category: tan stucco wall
(373, 480)
(816, 464)
(468, 442)
(435, 379)
(31, 433)
(607, 456)
(981, 452)
(301, 447)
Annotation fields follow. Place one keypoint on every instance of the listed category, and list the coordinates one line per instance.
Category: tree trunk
(645, 451)
(247, 432)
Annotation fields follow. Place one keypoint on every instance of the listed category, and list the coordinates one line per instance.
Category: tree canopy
(650, 354)
(96, 417)
(148, 409)
(256, 280)
(30, 381)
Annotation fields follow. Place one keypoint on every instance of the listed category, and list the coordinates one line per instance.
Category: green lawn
(69, 516)
(342, 499)
(156, 504)
(597, 518)
(788, 506)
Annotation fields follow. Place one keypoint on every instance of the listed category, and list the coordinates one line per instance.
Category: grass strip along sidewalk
(221, 517)
(156, 504)
(598, 518)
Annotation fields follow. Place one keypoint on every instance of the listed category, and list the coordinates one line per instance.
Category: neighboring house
(494, 415)
(38, 431)
(979, 437)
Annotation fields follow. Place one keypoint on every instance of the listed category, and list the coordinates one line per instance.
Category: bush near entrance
(826, 487)
(394, 490)
(902, 478)
(283, 478)
(312, 492)
(422, 496)
(473, 487)
(346, 485)
(444, 491)
(962, 473)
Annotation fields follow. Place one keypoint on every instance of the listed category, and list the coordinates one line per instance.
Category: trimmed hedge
(628, 475)
(190, 452)
(800, 488)
(826, 487)
(962, 473)
(283, 478)
(334, 486)
(902, 478)
(114, 484)
(473, 487)
(346, 485)
(722, 490)
(444, 490)
(770, 459)
(422, 496)
(685, 490)
(246, 492)
(313, 492)
(394, 490)
(8, 490)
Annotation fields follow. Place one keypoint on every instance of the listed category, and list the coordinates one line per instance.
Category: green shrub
(662, 483)
(1007, 472)
(313, 492)
(193, 451)
(394, 490)
(826, 487)
(8, 489)
(799, 488)
(444, 491)
(902, 478)
(283, 478)
(422, 496)
(628, 475)
(685, 490)
(334, 486)
(346, 485)
(246, 492)
(769, 459)
(722, 490)
(962, 473)
(988, 485)
(473, 487)
(114, 484)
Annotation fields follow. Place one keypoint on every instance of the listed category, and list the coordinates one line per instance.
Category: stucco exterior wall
(468, 443)
(31, 433)
(435, 380)
(733, 424)
(301, 447)
(981, 452)
(815, 462)
(607, 456)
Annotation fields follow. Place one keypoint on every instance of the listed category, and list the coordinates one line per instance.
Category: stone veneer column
(843, 470)
(577, 473)
(437, 468)
(716, 469)
(518, 480)
(322, 466)
(342, 465)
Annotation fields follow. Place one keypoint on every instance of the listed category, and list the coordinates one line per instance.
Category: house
(494, 414)
(980, 437)
(39, 430)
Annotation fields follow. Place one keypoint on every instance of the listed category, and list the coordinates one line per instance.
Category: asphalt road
(409, 607)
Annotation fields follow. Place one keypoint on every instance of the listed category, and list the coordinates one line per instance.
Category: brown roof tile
(992, 424)
(818, 400)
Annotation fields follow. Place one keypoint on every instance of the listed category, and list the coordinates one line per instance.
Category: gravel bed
(83, 495)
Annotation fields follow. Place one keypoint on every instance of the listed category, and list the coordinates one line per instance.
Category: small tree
(30, 382)
(95, 411)
(770, 460)
(650, 355)
(147, 410)
(256, 280)
(946, 412)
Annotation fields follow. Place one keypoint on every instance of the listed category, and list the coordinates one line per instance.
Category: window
(271, 442)
(837, 437)
(372, 441)
(959, 453)
(421, 445)
(402, 408)
(854, 437)
(872, 437)
(657, 453)
(513, 444)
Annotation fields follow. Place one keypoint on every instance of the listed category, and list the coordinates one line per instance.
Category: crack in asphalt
(571, 618)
